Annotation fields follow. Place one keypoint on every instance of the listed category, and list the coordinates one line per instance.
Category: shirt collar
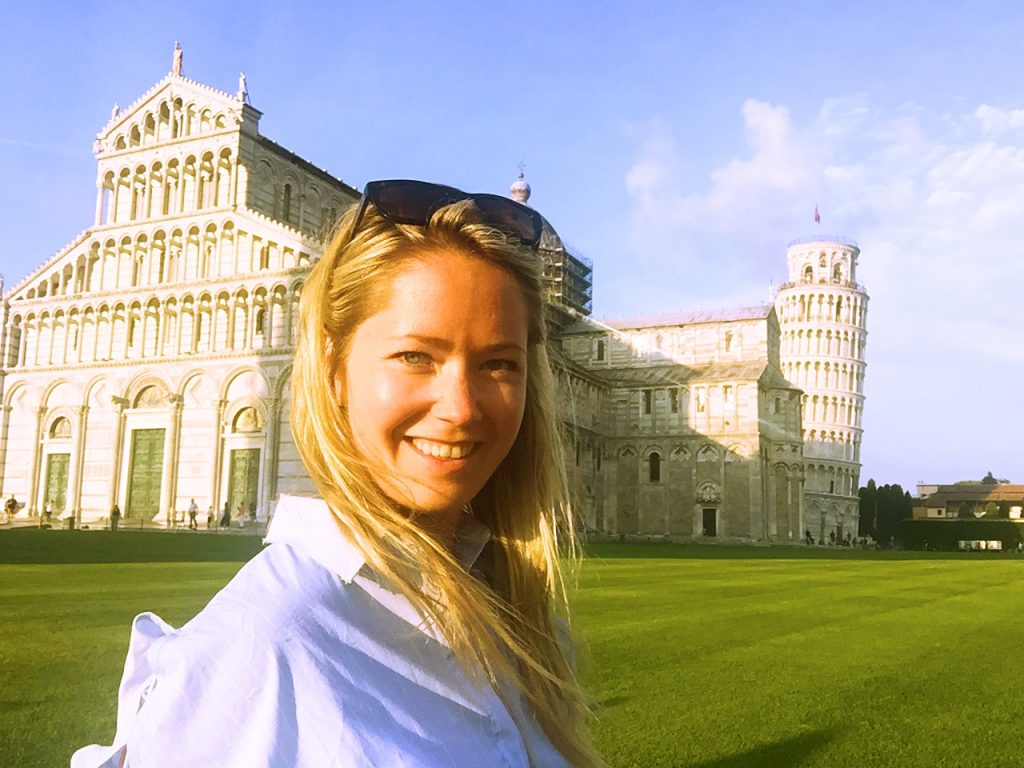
(308, 525)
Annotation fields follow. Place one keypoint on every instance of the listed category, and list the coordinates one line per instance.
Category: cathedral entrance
(244, 480)
(710, 522)
(145, 474)
(56, 482)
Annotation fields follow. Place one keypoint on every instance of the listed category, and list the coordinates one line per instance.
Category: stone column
(218, 441)
(115, 475)
(34, 489)
(271, 450)
(5, 428)
(99, 203)
(74, 506)
(170, 467)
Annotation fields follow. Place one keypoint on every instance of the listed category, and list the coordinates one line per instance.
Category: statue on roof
(115, 110)
(176, 59)
(243, 89)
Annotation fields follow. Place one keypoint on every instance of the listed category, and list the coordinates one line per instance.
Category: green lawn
(695, 656)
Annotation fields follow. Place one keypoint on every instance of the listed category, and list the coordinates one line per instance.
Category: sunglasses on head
(405, 201)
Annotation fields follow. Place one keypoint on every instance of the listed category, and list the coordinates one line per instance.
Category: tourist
(115, 517)
(225, 517)
(193, 513)
(412, 615)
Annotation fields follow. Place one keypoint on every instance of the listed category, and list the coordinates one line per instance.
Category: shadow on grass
(793, 751)
(28, 546)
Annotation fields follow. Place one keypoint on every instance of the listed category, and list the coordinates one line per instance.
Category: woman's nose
(457, 398)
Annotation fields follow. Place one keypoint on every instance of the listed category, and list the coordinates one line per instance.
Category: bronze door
(146, 473)
(243, 485)
(56, 482)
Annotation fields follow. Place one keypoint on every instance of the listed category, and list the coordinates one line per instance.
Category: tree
(882, 509)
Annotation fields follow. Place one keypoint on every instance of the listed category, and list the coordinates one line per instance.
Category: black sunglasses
(405, 201)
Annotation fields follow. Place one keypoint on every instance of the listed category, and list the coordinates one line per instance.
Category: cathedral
(145, 365)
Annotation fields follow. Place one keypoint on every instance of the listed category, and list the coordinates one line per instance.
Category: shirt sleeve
(199, 698)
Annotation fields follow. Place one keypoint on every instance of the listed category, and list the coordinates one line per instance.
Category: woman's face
(435, 382)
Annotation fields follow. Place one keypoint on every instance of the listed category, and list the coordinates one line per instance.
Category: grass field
(695, 656)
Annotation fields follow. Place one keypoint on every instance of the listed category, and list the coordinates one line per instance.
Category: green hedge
(945, 534)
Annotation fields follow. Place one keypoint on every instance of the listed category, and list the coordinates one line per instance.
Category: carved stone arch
(681, 452)
(282, 381)
(247, 415)
(626, 451)
(707, 452)
(75, 393)
(709, 492)
(59, 426)
(242, 370)
(18, 390)
(147, 387)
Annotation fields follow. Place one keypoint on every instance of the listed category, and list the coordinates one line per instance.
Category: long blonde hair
(525, 502)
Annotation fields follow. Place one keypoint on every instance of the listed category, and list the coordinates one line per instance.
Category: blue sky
(680, 146)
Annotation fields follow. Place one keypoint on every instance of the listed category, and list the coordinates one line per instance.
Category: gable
(173, 109)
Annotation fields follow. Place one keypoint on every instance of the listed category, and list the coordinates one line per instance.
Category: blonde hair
(525, 502)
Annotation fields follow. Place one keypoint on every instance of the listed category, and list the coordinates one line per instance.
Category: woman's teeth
(443, 450)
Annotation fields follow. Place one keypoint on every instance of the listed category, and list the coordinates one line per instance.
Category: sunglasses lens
(511, 217)
(408, 202)
(405, 201)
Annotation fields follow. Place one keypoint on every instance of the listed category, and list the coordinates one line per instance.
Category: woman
(410, 616)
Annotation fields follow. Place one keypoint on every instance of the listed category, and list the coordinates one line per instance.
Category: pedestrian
(225, 518)
(115, 517)
(48, 513)
(211, 518)
(193, 512)
(241, 515)
(411, 615)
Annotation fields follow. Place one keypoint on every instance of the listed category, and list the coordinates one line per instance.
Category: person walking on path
(115, 517)
(193, 512)
(225, 518)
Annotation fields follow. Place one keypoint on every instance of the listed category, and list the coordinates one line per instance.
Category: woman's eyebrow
(446, 344)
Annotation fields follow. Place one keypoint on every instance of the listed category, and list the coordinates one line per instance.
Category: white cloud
(936, 203)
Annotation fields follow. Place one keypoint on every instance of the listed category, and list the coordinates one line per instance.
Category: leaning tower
(822, 314)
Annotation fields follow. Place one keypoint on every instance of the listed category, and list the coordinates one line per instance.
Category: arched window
(648, 401)
(808, 273)
(286, 206)
(837, 274)
(778, 405)
(654, 467)
(728, 341)
(61, 427)
(600, 349)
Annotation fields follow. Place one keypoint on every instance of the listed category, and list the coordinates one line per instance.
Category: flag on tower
(817, 216)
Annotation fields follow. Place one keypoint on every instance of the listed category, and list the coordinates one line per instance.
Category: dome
(520, 190)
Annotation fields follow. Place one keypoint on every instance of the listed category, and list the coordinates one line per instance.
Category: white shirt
(305, 660)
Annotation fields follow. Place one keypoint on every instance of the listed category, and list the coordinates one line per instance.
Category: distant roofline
(841, 239)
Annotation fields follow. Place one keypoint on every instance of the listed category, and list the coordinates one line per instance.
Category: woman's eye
(413, 358)
(509, 366)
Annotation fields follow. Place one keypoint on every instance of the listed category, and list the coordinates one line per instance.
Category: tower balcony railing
(814, 284)
(841, 239)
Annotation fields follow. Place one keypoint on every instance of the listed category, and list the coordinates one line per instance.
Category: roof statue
(176, 59)
(115, 110)
(243, 89)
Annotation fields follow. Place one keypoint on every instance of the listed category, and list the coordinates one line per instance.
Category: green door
(57, 482)
(146, 473)
(245, 479)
